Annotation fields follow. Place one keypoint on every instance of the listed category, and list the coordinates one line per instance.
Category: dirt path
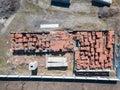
(35, 85)
(8, 21)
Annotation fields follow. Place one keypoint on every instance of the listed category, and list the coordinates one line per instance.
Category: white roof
(49, 25)
(56, 62)
(108, 1)
(56, 59)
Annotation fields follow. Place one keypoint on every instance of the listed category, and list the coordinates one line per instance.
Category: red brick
(18, 35)
(99, 34)
(12, 35)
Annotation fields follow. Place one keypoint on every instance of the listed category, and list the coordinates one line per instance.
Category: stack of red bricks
(96, 50)
(59, 41)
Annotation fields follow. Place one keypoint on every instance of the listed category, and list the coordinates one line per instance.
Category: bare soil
(35, 85)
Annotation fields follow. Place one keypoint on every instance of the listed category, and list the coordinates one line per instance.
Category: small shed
(61, 3)
(101, 3)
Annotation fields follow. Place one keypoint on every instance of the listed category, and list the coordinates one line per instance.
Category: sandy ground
(39, 85)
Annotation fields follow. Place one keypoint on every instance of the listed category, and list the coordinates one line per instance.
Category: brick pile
(58, 41)
(95, 51)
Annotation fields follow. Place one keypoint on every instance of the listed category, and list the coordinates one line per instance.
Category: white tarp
(56, 59)
(56, 62)
(49, 25)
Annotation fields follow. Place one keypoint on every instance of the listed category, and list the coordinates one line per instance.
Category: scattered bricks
(28, 35)
(96, 57)
(20, 40)
(12, 36)
(104, 57)
(92, 41)
(106, 61)
(25, 44)
(102, 66)
(20, 44)
(89, 54)
(99, 49)
(92, 45)
(47, 45)
(92, 66)
(107, 65)
(92, 49)
(101, 60)
(110, 54)
(30, 39)
(12, 48)
(32, 48)
(25, 39)
(113, 41)
(88, 48)
(96, 54)
(78, 67)
(110, 39)
(82, 48)
(94, 37)
(82, 33)
(83, 57)
(39, 48)
(34, 40)
(12, 40)
(109, 45)
(77, 55)
(18, 35)
(99, 34)
(111, 32)
(93, 53)
(86, 53)
(92, 57)
(43, 44)
(93, 33)
(85, 34)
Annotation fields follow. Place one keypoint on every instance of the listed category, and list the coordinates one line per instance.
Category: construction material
(56, 62)
(94, 49)
(49, 25)
(56, 65)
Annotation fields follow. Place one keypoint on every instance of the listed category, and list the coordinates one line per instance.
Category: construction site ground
(42, 85)
(80, 16)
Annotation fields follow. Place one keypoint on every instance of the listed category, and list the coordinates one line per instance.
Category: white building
(103, 2)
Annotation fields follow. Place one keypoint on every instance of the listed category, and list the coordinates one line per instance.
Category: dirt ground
(35, 85)
(80, 16)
